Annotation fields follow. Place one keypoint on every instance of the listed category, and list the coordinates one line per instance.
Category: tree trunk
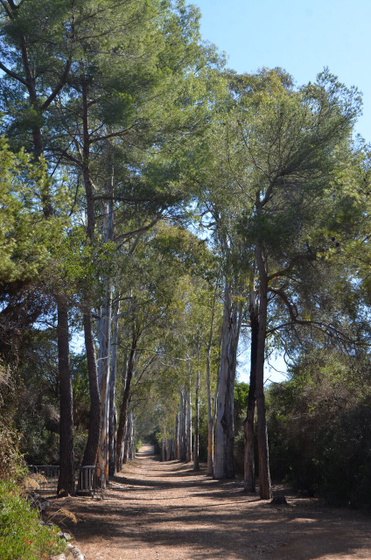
(177, 436)
(128, 452)
(95, 418)
(182, 428)
(89, 195)
(66, 482)
(224, 430)
(249, 455)
(196, 448)
(121, 431)
(104, 339)
(104, 382)
(91, 450)
(210, 410)
(263, 450)
(188, 412)
(112, 392)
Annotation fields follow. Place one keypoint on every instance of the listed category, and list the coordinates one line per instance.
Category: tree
(36, 59)
(296, 145)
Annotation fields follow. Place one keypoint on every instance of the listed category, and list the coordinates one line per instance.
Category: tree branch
(139, 230)
(58, 88)
(13, 74)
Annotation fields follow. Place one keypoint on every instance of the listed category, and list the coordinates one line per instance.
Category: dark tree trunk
(188, 413)
(249, 455)
(66, 482)
(182, 428)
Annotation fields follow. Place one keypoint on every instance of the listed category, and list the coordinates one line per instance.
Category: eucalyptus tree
(297, 147)
(218, 176)
(203, 328)
(272, 189)
(148, 310)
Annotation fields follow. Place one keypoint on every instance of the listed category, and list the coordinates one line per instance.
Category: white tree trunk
(112, 391)
(224, 430)
(104, 369)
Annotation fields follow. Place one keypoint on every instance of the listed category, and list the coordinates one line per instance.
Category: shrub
(22, 536)
(320, 429)
(11, 461)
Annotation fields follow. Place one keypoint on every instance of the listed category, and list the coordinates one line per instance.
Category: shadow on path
(166, 510)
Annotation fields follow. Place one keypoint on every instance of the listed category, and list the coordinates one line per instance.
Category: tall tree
(296, 145)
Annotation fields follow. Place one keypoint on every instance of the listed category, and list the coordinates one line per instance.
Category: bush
(320, 429)
(11, 461)
(22, 536)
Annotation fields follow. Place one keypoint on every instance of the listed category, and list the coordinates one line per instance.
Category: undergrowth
(22, 536)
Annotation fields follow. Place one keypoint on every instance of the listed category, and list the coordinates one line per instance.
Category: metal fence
(47, 476)
(87, 478)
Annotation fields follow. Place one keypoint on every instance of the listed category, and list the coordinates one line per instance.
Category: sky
(300, 36)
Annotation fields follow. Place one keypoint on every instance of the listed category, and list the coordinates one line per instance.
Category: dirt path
(166, 511)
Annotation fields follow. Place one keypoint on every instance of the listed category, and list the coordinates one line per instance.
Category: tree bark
(104, 339)
(121, 431)
(182, 428)
(89, 195)
(196, 448)
(265, 486)
(91, 450)
(95, 415)
(210, 410)
(112, 392)
(66, 482)
(104, 383)
(224, 430)
(249, 455)
(188, 412)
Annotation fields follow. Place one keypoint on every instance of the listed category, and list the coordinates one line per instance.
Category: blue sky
(301, 36)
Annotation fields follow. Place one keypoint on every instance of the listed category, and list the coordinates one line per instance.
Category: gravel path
(166, 511)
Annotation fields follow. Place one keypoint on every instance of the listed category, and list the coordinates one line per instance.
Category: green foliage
(26, 237)
(320, 428)
(22, 536)
(241, 393)
(11, 461)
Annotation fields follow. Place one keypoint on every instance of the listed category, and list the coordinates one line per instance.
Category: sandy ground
(157, 510)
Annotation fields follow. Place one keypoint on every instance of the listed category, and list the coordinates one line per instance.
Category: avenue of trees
(160, 213)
